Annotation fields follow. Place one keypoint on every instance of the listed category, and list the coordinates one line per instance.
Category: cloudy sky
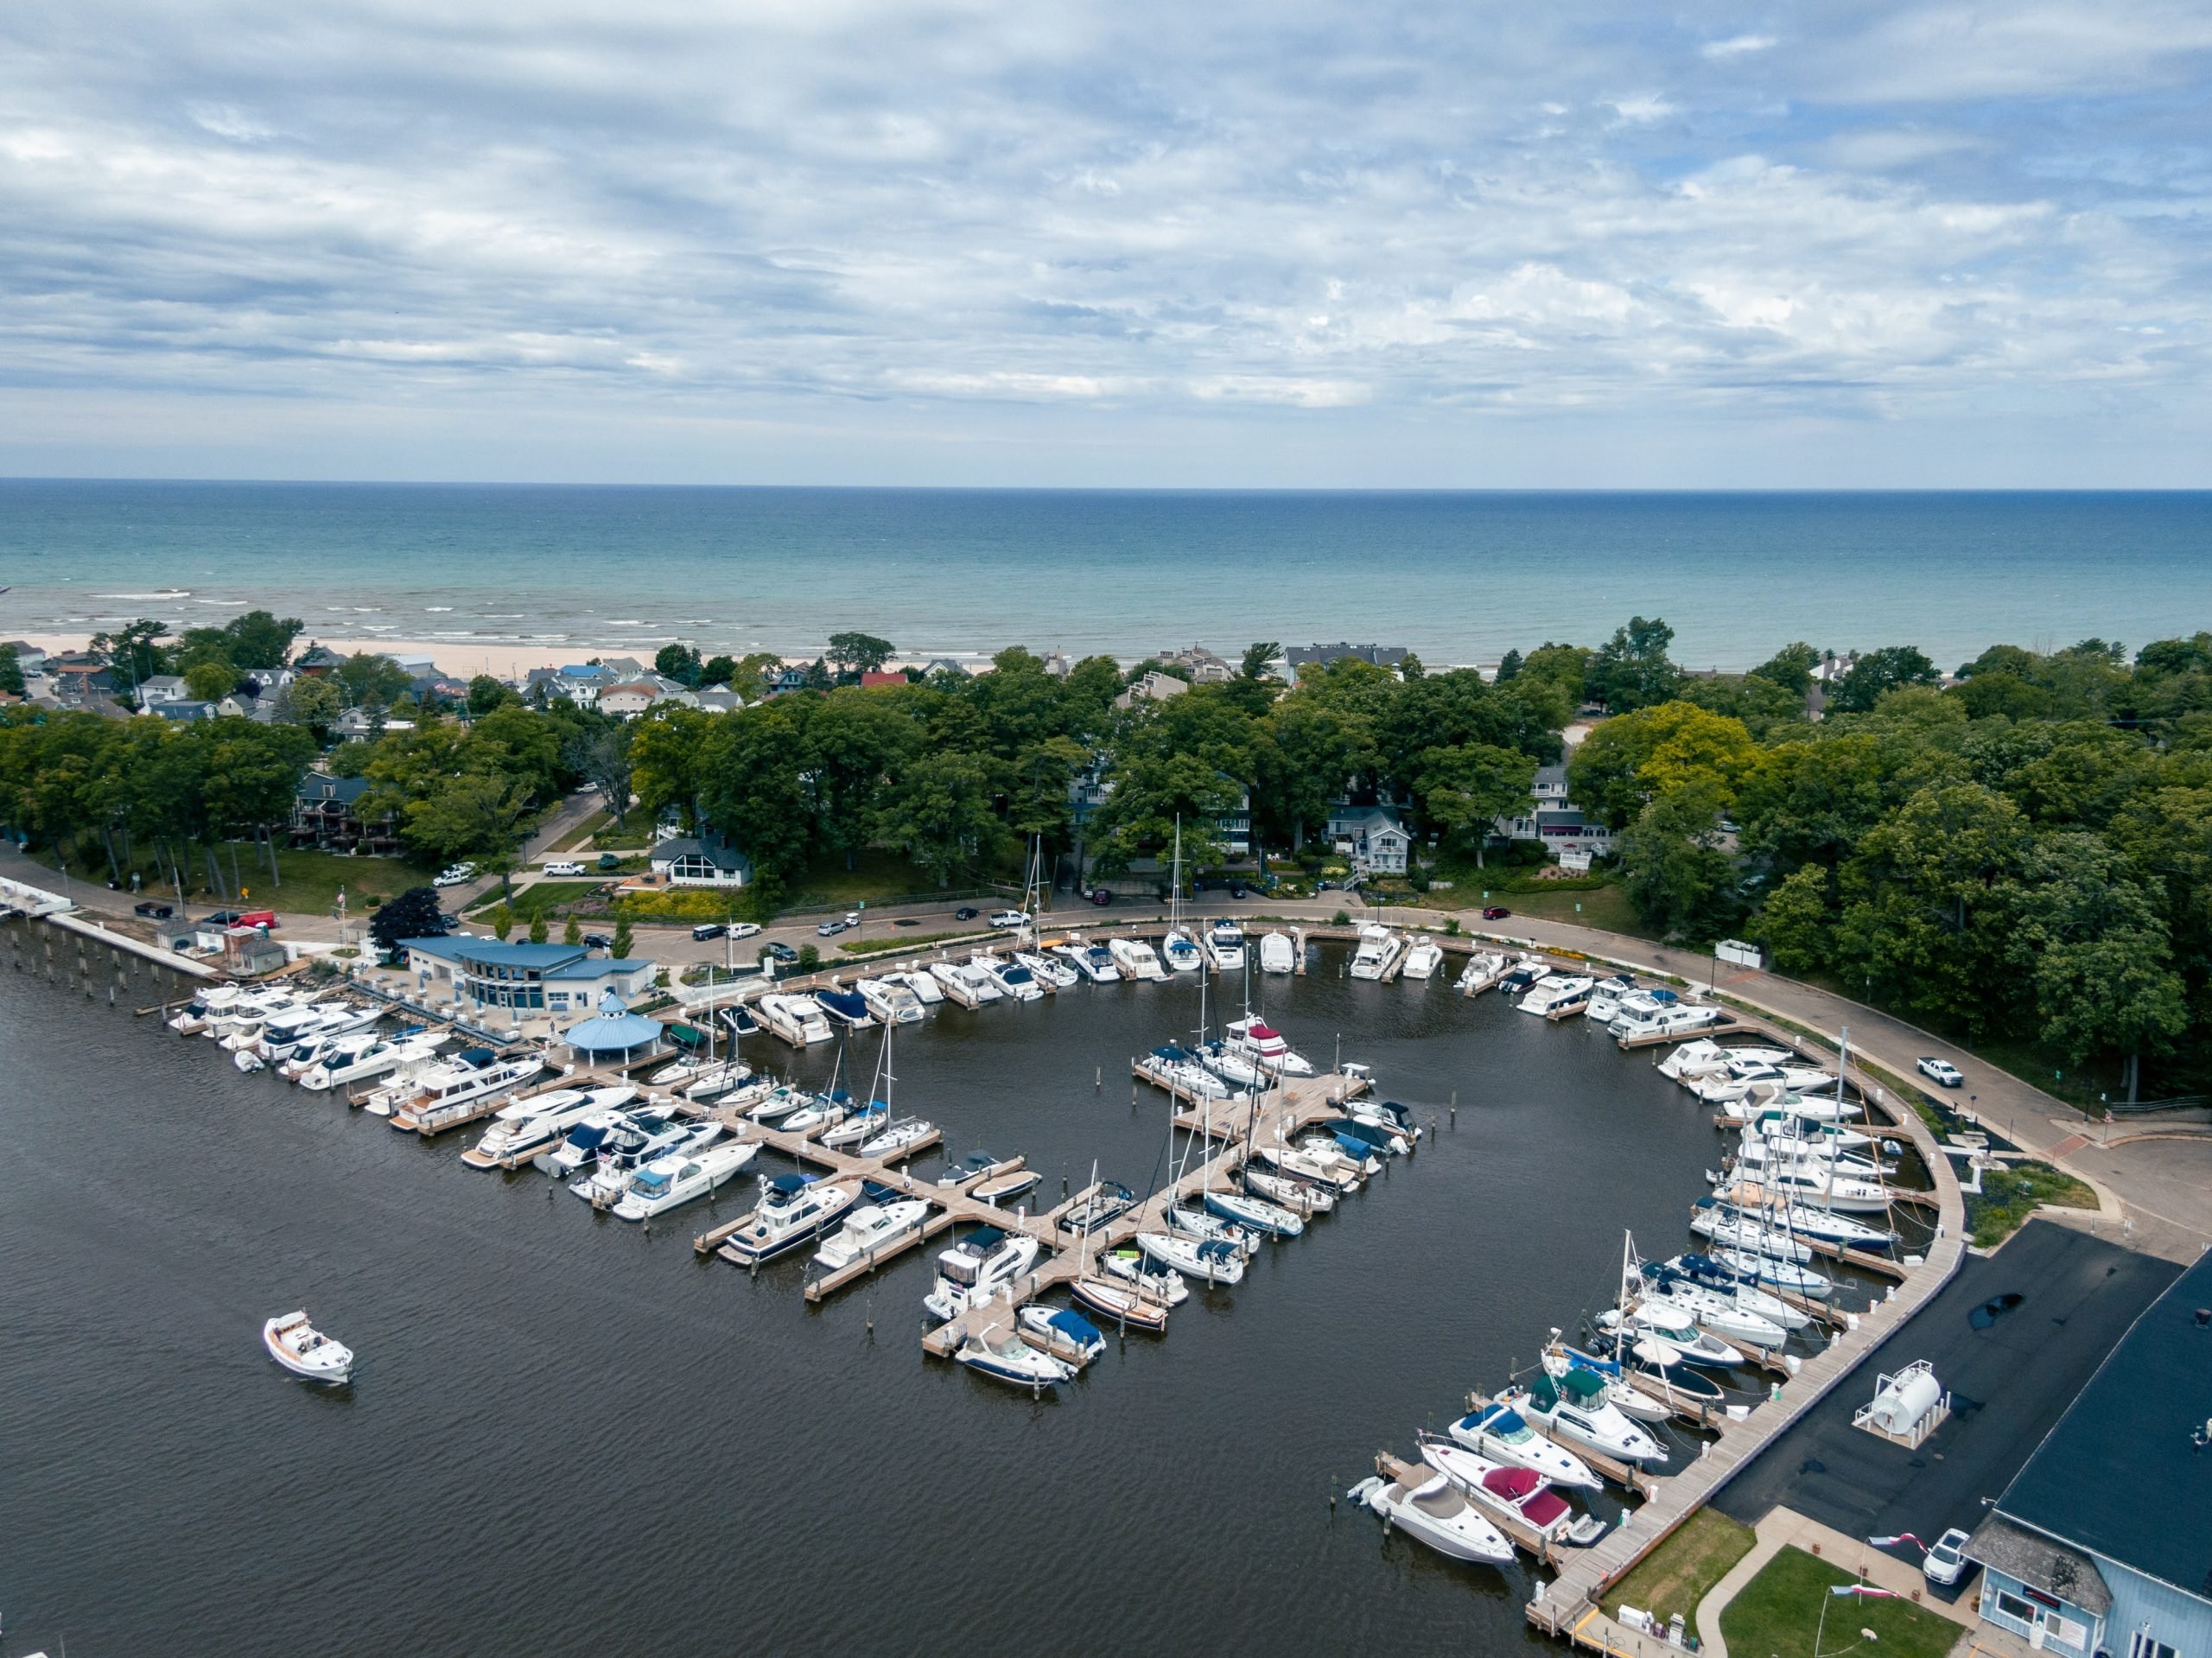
(1041, 242)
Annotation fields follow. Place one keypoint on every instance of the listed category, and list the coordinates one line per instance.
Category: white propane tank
(1904, 1399)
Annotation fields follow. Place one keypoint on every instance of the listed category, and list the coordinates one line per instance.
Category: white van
(564, 867)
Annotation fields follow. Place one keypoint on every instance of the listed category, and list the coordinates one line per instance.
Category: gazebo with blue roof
(613, 1029)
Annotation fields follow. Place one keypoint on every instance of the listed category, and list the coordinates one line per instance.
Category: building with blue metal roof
(550, 978)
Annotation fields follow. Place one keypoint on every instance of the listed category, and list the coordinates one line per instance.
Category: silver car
(1944, 1563)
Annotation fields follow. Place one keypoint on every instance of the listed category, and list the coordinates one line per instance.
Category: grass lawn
(2010, 1196)
(1606, 908)
(1675, 1575)
(310, 884)
(897, 942)
(1779, 1611)
(580, 838)
(545, 898)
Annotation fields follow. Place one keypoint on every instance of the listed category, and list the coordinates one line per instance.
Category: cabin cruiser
(1787, 1128)
(1702, 1058)
(1667, 1338)
(870, 1227)
(1136, 959)
(642, 1141)
(306, 1352)
(1559, 996)
(1048, 970)
(1666, 1306)
(1512, 1491)
(891, 1000)
(1257, 1212)
(1422, 961)
(1278, 953)
(1484, 968)
(1224, 944)
(845, 1008)
(1437, 1513)
(528, 1127)
(1178, 1069)
(1378, 950)
(581, 1144)
(1182, 956)
(446, 1092)
(204, 1009)
(1757, 1154)
(1232, 1067)
(793, 1209)
(1066, 1335)
(1215, 1259)
(796, 1019)
(1092, 961)
(927, 991)
(1667, 1022)
(1523, 973)
(1497, 1432)
(677, 1071)
(329, 1052)
(1120, 1303)
(966, 983)
(1015, 981)
(670, 1181)
(1004, 1356)
(1104, 1202)
(1821, 1184)
(1605, 998)
(1252, 1035)
(249, 1013)
(337, 1018)
(780, 1102)
(1574, 1406)
(969, 1273)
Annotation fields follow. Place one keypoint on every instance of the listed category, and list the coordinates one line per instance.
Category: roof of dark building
(315, 789)
(2120, 1475)
(2039, 1562)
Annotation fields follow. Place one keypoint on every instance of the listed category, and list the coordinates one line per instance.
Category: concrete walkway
(1782, 1528)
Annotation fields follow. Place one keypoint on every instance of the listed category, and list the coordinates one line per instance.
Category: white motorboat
(1670, 1303)
(248, 1061)
(1015, 981)
(677, 1071)
(1512, 1491)
(1136, 959)
(827, 1111)
(1703, 1057)
(1820, 1184)
(1665, 1337)
(891, 1001)
(1178, 1069)
(1278, 953)
(329, 1050)
(845, 1008)
(451, 1093)
(1199, 1226)
(867, 1121)
(969, 1273)
(663, 1186)
(1677, 1021)
(1232, 1067)
(306, 1352)
(1497, 1432)
(279, 1036)
(797, 1020)
(1437, 1513)
(1422, 961)
(1484, 968)
(1121, 1304)
(869, 1229)
(1224, 944)
(1257, 1212)
(1002, 1356)
(204, 1009)
(1182, 954)
(793, 1209)
(896, 1138)
(1215, 1259)
(1605, 998)
(581, 1144)
(1560, 996)
(1092, 961)
(1266, 1047)
(1784, 1127)
(1757, 1155)
(1574, 1406)
(966, 983)
(399, 1057)
(642, 1141)
(718, 1080)
(927, 991)
(780, 1102)
(1378, 951)
(1050, 971)
(521, 1131)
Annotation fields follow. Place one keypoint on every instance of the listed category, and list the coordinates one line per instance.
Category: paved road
(2164, 1187)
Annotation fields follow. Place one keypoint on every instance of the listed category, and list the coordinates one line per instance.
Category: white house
(1373, 837)
(163, 688)
(1555, 820)
(627, 702)
(1153, 688)
(700, 861)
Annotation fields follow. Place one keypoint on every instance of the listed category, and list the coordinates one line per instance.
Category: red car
(1496, 912)
(1101, 896)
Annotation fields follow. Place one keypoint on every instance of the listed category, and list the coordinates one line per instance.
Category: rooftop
(2039, 1562)
(2121, 1475)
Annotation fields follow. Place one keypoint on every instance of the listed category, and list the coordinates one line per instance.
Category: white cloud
(1642, 108)
(1737, 46)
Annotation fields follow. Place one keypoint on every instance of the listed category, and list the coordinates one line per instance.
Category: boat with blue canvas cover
(1377, 1137)
(793, 1209)
(1574, 1406)
(1067, 1335)
(1497, 1430)
(847, 1007)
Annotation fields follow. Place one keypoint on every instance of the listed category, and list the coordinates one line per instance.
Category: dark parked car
(153, 910)
(1100, 897)
(1237, 891)
(780, 952)
(966, 912)
(1496, 912)
(608, 860)
(598, 941)
(706, 930)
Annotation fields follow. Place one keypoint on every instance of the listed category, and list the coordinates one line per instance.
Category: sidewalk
(1783, 1528)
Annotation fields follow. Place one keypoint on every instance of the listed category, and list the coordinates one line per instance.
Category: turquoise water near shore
(1456, 577)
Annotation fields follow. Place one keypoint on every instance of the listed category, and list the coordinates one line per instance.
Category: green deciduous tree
(1796, 925)
(477, 815)
(1465, 790)
(1676, 872)
(1631, 669)
(1881, 672)
(859, 653)
(939, 813)
(1791, 668)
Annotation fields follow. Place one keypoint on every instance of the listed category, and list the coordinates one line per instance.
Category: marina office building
(552, 978)
(2102, 1543)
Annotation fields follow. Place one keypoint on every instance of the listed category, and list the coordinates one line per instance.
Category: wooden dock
(1661, 1039)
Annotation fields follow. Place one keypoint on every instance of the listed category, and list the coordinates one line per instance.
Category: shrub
(809, 958)
(1340, 919)
(1452, 926)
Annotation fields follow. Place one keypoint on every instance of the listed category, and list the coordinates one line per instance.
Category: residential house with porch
(1375, 838)
(1553, 819)
(528, 978)
(2102, 1543)
(706, 860)
(161, 688)
(327, 815)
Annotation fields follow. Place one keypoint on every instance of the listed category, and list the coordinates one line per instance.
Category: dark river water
(566, 1436)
